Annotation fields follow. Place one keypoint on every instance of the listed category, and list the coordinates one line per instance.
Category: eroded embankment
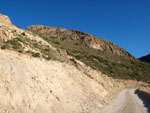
(32, 85)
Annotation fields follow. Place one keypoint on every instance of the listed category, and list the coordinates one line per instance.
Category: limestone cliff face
(76, 36)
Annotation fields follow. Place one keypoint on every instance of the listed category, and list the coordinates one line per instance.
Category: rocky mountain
(145, 58)
(79, 37)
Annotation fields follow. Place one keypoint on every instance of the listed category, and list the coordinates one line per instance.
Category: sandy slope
(31, 85)
(126, 102)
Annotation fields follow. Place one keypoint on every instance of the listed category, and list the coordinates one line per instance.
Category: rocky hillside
(37, 77)
(14, 38)
(79, 37)
(145, 58)
(95, 52)
(41, 71)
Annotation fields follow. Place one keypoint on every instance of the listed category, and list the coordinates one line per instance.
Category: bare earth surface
(32, 85)
(126, 102)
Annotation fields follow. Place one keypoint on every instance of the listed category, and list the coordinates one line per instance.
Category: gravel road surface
(126, 102)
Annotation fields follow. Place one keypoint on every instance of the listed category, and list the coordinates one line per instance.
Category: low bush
(14, 43)
(36, 54)
(4, 46)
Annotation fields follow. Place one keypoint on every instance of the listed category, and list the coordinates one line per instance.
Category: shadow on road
(145, 97)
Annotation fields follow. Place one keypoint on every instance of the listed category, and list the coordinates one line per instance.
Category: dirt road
(126, 102)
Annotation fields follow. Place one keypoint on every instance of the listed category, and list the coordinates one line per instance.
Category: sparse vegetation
(4, 46)
(21, 40)
(110, 64)
(35, 54)
(14, 43)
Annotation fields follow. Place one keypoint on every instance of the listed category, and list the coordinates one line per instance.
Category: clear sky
(124, 22)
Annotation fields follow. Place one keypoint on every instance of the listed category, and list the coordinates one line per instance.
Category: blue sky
(124, 22)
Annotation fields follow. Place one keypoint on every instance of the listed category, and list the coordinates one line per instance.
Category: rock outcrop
(76, 36)
(5, 20)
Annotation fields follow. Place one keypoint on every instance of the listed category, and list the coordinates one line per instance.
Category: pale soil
(126, 102)
(32, 85)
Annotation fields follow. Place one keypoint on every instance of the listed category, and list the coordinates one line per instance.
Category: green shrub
(23, 34)
(36, 54)
(14, 43)
(57, 43)
(20, 40)
(4, 46)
